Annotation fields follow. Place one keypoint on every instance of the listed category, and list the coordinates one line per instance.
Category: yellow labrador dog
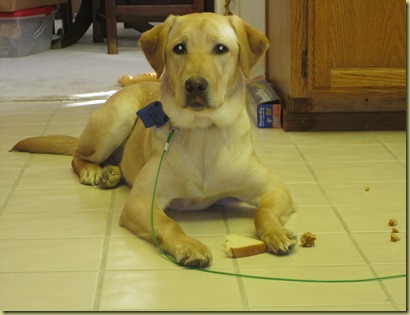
(203, 61)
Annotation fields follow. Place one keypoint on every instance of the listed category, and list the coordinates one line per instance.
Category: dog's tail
(64, 145)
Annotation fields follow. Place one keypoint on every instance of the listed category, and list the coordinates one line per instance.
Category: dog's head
(203, 59)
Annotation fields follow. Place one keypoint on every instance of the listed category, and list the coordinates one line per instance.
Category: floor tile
(116, 229)
(73, 114)
(240, 220)
(47, 291)
(13, 159)
(62, 224)
(365, 193)
(168, 290)
(358, 171)
(48, 178)
(206, 222)
(4, 193)
(269, 136)
(391, 136)
(345, 153)
(325, 138)
(22, 131)
(133, 253)
(8, 177)
(49, 161)
(120, 197)
(291, 172)
(32, 106)
(373, 218)
(50, 255)
(329, 308)
(25, 118)
(306, 219)
(379, 249)
(307, 194)
(398, 149)
(59, 199)
(277, 153)
(69, 129)
(274, 294)
(396, 287)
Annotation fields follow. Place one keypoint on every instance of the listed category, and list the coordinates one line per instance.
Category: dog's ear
(252, 44)
(153, 44)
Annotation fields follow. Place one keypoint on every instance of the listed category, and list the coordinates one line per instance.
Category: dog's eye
(220, 49)
(179, 49)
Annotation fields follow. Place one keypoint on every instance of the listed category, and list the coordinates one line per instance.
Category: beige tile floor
(62, 249)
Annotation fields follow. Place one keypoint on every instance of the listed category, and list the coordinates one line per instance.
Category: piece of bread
(237, 246)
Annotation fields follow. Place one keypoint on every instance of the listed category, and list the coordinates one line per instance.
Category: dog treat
(129, 79)
(394, 230)
(307, 239)
(394, 237)
(392, 222)
(237, 246)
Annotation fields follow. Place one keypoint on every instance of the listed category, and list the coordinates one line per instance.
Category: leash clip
(172, 128)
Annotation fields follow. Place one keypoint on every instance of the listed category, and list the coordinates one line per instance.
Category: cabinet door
(357, 46)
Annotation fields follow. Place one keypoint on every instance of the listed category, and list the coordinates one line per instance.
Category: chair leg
(98, 26)
(111, 27)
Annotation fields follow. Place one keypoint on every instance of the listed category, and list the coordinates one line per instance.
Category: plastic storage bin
(26, 32)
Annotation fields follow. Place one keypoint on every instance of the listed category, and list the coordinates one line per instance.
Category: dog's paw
(280, 242)
(192, 253)
(110, 176)
(90, 175)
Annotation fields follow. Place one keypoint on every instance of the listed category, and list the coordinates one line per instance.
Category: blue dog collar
(153, 115)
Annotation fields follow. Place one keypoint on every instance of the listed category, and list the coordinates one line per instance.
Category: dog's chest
(209, 161)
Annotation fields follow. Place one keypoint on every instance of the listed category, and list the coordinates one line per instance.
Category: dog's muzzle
(196, 93)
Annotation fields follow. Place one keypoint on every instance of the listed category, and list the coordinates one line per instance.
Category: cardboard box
(15, 5)
(26, 32)
(263, 104)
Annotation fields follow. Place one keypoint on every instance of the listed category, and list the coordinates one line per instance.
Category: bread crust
(237, 246)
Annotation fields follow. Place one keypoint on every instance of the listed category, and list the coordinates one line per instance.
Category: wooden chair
(107, 13)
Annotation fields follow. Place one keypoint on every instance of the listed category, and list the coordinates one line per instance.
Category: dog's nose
(196, 85)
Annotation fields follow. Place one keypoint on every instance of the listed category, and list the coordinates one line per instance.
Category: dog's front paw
(192, 253)
(90, 175)
(110, 176)
(280, 242)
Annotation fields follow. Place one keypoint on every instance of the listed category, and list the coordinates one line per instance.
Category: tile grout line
(239, 280)
(51, 118)
(347, 229)
(396, 158)
(104, 253)
(14, 185)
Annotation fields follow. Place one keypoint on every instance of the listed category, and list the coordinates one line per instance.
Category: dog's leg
(273, 210)
(170, 236)
(136, 217)
(274, 206)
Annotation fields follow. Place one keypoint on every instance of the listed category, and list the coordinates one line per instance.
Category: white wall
(253, 12)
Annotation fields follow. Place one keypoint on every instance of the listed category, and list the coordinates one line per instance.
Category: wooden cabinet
(338, 64)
